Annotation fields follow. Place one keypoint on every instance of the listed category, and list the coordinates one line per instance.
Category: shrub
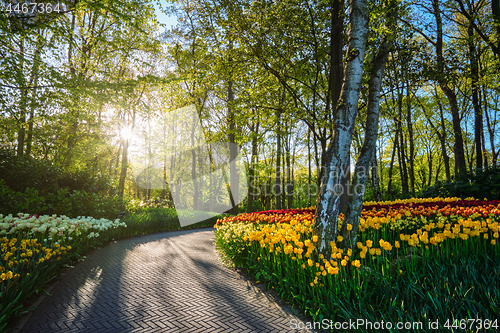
(480, 184)
(37, 186)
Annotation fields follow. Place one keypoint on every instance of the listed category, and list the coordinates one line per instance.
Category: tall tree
(350, 226)
(328, 203)
(445, 83)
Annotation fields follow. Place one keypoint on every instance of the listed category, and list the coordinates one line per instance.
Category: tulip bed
(417, 260)
(34, 248)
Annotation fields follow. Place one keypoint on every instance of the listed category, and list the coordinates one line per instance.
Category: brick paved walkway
(168, 282)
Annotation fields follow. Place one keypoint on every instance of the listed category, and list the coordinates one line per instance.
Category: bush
(481, 184)
(37, 186)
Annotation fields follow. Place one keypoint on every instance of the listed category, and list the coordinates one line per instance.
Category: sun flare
(126, 133)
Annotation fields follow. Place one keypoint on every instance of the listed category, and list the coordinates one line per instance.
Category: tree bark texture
(364, 161)
(327, 208)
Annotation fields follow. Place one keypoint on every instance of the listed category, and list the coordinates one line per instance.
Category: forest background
(80, 80)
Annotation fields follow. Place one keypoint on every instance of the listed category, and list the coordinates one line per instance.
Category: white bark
(337, 156)
(364, 162)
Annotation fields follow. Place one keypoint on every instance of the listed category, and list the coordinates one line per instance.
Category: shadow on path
(168, 282)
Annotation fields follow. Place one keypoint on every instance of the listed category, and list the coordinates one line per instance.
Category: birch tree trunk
(364, 161)
(328, 202)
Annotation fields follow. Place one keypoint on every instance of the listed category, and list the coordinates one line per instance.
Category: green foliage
(38, 187)
(481, 184)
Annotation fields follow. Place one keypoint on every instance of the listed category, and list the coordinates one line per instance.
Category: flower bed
(34, 248)
(414, 261)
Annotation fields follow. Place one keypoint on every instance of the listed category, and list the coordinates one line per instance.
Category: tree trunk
(411, 157)
(491, 132)
(309, 166)
(377, 194)
(478, 115)
(251, 170)
(391, 165)
(449, 92)
(402, 144)
(33, 82)
(359, 180)
(194, 176)
(123, 174)
(283, 188)
(442, 139)
(267, 188)
(289, 185)
(495, 9)
(327, 208)
(437, 172)
(233, 153)
(429, 161)
(22, 103)
(277, 185)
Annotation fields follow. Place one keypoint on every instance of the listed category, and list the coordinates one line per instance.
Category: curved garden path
(167, 282)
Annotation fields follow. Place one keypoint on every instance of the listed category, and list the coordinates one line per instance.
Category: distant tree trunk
(277, 186)
(411, 157)
(317, 160)
(495, 9)
(485, 152)
(289, 185)
(377, 194)
(233, 153)
(123, 174)
(293, 182)
(401, 165)
(309, 166)
(251, 171)
(437, 172)
(491, 132)
(449, 92)
(442, 138)
(391, 165)
(283, 186)
(33, 82)
(117, 160)
(267, 189)
(381, 172)
(478, 115)
(401, 151)
(194, 177)
(429, 161)
(22, 103)
(164, 143)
